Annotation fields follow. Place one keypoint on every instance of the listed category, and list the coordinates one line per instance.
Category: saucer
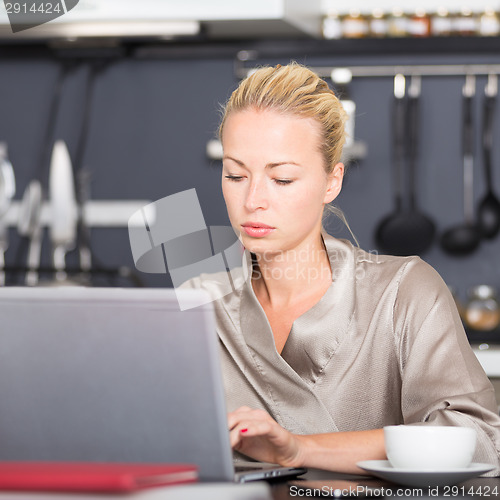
(422, 477)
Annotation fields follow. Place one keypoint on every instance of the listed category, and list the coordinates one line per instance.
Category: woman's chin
(252, 244)
(261, 248)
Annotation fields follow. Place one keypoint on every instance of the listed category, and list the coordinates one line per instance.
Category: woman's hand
(255, 434)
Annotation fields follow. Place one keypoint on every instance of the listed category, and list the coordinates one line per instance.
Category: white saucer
(411, 477)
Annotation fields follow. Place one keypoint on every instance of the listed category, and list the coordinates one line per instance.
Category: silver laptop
(107, 374)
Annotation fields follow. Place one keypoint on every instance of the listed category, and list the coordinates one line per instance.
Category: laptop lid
(101, 374)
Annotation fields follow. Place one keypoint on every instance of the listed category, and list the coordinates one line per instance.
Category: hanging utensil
(465, 238)
(7, 191)
(64, 212)
(385, 235)
(29, 226)
(83, 176)
(422, 227)
(406, 231)
(488, 214)
(42, 166)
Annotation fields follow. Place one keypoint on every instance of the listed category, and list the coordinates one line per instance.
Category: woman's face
(273, 180)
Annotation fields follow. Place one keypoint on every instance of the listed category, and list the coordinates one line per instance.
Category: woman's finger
(247, 413)
(249, 429)
(242, 409)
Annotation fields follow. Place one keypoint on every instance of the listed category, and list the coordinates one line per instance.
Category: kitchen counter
(489, 357)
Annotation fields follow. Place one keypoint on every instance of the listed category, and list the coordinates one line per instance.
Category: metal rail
(243, 71)
(417, 70)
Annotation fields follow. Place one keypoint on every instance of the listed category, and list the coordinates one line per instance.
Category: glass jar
(354, 25)
(419, 25)
(397, 23)
(465, 23)
(332, 26)
(482, 311)
(489, 23)
(378, 24)
(441, 24)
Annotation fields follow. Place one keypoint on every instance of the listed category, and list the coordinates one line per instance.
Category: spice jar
(441, 23)
(332, 26)
(465, 23)
(482, 311)
(419, 25)
(489, 23)
(397, 23)
(378, 24)
(354, 25)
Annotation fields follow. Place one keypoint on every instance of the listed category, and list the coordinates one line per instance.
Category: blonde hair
(296, 90)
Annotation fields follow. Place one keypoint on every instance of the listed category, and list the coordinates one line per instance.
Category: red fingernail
(244, 430)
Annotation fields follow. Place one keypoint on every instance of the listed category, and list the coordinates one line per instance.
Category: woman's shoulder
(408, 265)
(371, 260)
(412, 278)
(408, 274)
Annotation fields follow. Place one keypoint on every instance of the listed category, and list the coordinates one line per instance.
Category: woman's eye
(234, 178)
(283, 182)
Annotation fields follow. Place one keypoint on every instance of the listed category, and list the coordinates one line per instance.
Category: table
(322, 484)
(326, 484)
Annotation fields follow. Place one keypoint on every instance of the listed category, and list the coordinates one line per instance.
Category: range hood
(167, 19)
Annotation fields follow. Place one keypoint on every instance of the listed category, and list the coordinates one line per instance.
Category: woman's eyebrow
(269, 165)
(277, 164)
(226, 157)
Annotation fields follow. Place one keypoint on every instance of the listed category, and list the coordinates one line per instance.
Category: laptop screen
(101, 374)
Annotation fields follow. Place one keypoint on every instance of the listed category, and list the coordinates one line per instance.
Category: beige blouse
(384, 345)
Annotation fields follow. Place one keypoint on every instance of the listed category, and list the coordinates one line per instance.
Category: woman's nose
(256, 196)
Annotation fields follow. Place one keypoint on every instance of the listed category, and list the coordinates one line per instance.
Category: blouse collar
(315, 335)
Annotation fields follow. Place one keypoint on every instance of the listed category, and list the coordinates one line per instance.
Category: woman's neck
(283, 279)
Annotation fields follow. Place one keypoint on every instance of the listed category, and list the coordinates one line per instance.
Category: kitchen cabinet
(165, 19)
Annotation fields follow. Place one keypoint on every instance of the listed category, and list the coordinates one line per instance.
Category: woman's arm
(442, 380)
(255, 434)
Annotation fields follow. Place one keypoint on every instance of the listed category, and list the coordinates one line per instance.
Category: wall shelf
(298, 48)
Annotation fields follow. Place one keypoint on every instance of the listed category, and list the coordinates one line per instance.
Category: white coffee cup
(426, 447)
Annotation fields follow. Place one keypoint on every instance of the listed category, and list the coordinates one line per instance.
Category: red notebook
(95, 477)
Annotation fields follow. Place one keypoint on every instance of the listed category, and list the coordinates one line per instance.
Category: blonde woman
(325, 343)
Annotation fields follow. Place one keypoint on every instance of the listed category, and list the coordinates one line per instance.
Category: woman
(325, 344)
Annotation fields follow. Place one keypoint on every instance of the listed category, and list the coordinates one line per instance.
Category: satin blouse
(384, 345)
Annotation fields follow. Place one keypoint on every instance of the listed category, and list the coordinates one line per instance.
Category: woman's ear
(335, 179)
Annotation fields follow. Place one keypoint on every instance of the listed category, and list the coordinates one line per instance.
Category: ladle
(384, 230)
(488, 215)
(421, 229)
(465, 238)
(406, 231)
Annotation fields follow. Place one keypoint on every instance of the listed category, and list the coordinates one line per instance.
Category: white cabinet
(166, 18)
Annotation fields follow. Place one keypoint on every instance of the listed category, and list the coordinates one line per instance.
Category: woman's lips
(257, 230)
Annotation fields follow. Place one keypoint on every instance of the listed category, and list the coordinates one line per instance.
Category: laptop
(115, 375)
